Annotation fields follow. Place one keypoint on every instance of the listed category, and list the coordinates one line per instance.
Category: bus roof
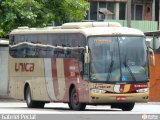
(87, 28)
(153, 33)
(4, 42)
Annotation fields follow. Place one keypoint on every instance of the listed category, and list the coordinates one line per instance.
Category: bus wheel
(127, 106)
(30, 102)
(73, 103)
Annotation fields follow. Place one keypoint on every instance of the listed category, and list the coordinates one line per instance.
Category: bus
(81, 63)
(153, 41)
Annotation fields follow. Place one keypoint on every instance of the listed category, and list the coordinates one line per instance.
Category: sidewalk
(7, 99)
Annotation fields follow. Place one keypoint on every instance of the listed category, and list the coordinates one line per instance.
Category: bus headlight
(144, 90)
(97, 91)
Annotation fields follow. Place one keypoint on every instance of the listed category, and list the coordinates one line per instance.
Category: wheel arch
(70, 89)
(75, 105)
(25, 88)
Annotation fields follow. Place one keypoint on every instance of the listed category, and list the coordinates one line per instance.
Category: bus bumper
(116, 98)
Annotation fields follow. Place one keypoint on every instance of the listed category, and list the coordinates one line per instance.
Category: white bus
(80, 64)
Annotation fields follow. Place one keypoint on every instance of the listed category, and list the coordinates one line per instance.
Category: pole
(153, 10)
(129, 13)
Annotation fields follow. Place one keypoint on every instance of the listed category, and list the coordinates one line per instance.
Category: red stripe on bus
(138, 86)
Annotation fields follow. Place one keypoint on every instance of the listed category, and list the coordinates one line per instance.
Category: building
(117, 9)
(144, 13)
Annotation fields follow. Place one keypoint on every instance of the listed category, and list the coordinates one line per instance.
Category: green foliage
(39, 13)
(67, 10)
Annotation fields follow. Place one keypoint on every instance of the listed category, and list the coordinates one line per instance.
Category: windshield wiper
(129, 69)
(110, 68)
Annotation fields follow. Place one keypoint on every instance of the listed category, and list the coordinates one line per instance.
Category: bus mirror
(87, 55)
(87, 58)
(152, 59)
(87, 50)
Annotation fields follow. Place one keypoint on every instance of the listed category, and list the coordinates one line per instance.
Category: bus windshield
(118, 59)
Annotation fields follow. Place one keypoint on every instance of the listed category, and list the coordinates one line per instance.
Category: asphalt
(7, 99)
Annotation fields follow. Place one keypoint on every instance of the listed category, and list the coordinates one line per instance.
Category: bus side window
(82, 41)
(31, 47)
(55, 43)
(52, 45)
(12, 42)
(22, 50)
(41, 45)
(17, 49)
(72, 40)
(58, 43)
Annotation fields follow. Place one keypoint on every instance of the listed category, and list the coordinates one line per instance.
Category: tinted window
(47, 45)
(75, 40)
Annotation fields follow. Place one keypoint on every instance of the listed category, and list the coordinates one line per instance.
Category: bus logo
(24, 67)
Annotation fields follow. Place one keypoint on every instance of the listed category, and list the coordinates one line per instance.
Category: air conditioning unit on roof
(79, 25)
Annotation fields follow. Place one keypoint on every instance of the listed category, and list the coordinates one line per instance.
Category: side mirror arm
(152, 59)
(87, 56)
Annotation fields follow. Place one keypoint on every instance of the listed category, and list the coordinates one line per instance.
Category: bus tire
(30, 102)
(127, 106)
(73, 102)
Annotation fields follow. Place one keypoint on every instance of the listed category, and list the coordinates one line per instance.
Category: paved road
(60, 108)
(16, 110)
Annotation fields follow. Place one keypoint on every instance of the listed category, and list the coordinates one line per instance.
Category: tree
(39, 13)
(16, 13)
(67, 10)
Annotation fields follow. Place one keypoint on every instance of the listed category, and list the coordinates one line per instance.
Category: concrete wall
(4, 71)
